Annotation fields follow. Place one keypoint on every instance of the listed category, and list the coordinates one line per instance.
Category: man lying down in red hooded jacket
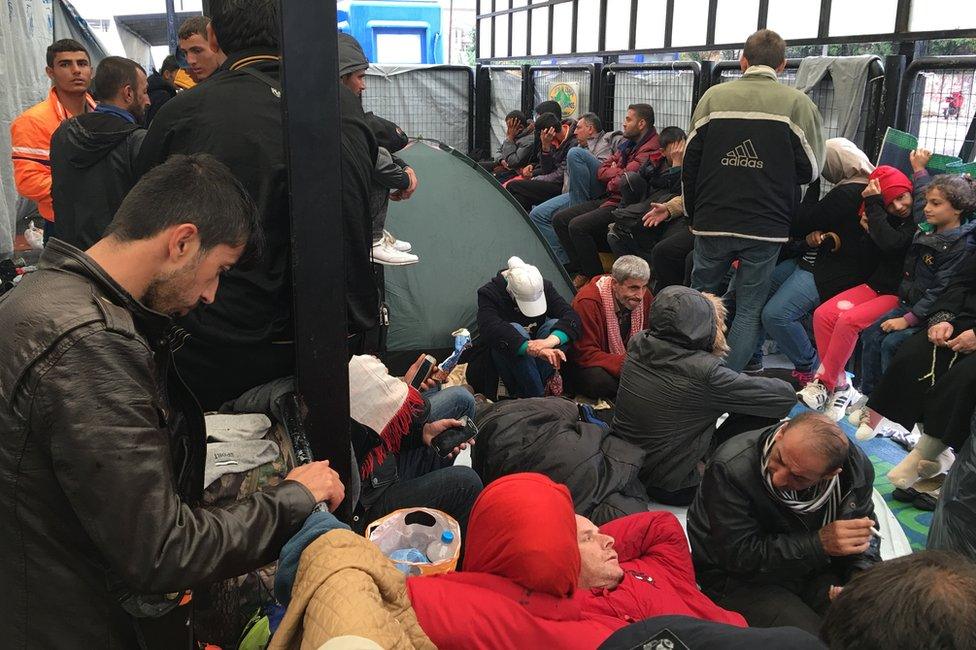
(522, 571)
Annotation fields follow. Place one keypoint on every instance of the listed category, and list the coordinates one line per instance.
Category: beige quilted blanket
(345, 586)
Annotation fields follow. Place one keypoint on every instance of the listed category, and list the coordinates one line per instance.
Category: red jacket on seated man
(518, 586)
(639, 566)
(611, 308)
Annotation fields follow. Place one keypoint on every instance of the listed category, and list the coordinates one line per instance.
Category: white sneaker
(813, 395)
(839, 400)
(389, 256)
(400, 245)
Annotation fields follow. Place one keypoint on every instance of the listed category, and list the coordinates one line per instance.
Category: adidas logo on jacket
(753, 143)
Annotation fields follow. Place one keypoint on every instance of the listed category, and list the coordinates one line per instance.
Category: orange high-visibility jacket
(30, 139)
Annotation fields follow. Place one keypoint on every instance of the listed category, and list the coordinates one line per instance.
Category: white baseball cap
(526, 287)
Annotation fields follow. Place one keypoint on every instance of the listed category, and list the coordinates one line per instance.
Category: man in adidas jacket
(752, 143)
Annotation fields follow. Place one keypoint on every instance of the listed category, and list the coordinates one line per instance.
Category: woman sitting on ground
(674, 386)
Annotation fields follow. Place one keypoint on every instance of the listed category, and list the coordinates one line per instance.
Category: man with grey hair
(611, 308)
(783, 516)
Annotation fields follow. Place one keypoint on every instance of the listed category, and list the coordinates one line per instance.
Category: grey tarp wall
(464, 227)
(426, 101)
(506, 96)
(25, 32)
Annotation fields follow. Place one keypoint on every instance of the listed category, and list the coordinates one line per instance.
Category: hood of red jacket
(523, 527)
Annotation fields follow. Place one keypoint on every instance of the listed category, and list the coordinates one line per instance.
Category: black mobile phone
(423, 372)
(445, 442)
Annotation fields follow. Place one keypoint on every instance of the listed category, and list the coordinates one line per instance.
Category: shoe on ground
(389, 256)
(813, 395)
(837, 406)
(856, 408)
(753, 366)
(398, 244)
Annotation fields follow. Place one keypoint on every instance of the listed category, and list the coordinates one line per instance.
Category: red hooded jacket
(518, 587)
(591, 349)
(659, 578)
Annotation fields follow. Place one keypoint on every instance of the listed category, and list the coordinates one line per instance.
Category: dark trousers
(672, 257)
(216, 374)
(592, 382)
(799, 605)
(582, 231)
(49, 230)
(530, 193)
(943, 403)
(427, 481)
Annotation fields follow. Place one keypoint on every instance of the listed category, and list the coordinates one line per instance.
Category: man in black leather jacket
(102, 446)
(782, 516)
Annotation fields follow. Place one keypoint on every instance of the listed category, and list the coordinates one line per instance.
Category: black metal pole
(171, 27)
(310, 107)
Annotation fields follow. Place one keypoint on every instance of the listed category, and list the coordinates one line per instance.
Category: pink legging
(837, 323)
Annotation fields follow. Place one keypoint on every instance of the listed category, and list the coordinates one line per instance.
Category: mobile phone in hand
(445, 442)
(423, 372)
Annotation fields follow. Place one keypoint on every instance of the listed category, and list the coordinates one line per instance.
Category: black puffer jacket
(93, 167)
(160, 92)
(102, 453)
(738, 530)
(545, 435)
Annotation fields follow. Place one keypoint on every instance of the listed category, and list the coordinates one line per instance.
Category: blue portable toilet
(394, 31)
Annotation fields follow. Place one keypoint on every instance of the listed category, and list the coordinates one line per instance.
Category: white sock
(907, 472)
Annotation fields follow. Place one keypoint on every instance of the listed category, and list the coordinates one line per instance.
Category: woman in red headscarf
(518, 586)
(886, 216)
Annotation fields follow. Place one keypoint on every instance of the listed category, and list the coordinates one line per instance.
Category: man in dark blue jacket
(527, 325)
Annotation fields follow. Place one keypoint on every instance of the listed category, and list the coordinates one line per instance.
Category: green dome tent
(464, 226)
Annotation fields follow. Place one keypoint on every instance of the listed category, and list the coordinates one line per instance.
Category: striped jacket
(30, 138)
(751, 144)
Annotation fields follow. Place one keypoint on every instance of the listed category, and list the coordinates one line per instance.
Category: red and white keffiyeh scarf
(616, 342)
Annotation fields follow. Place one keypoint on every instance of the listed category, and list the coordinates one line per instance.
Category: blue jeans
(541, 215)
(449, 403)
(878, 348)
(757, 260)
(794, 296)
(581, 168)
(525, 376)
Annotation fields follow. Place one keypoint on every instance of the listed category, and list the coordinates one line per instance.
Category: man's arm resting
(112, 460)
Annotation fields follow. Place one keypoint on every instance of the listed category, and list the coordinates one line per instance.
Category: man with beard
(93, 155)
(611, 308)
(102, 446)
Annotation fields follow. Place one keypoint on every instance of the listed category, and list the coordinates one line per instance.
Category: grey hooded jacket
(673, 389)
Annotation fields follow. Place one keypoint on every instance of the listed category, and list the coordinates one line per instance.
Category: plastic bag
(415, 528)
(954, 522)
(34, 236)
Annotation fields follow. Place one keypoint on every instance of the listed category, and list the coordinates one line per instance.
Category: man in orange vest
(69, 68)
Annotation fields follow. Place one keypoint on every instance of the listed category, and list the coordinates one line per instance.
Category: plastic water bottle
(401, 555)
(442, 548)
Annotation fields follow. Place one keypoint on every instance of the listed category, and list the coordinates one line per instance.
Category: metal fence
(825, 98)
(671, 88)
(435, 102)
(939, 99)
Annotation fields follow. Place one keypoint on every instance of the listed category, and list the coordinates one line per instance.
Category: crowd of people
(164, 290)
